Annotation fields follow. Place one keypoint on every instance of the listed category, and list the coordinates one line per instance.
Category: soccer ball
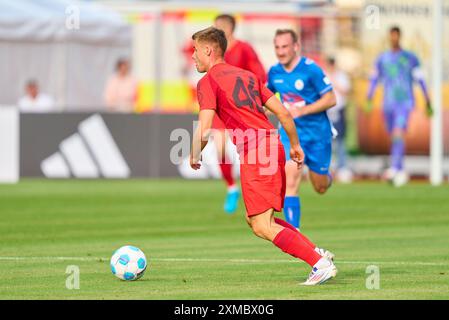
(128, 263)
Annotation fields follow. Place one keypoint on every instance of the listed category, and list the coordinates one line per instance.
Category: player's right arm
(374, 79)
(207, 99)
(418, 76)
(275, 106)
(201, 136)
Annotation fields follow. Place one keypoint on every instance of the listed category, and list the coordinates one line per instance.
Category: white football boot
(321, 275)
(389, 174)
(400, 178)
(325, 253)
(344, 176)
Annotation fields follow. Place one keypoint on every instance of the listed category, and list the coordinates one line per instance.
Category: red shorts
(263, 183)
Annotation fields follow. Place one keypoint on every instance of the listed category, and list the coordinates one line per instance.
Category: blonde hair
(213, 36)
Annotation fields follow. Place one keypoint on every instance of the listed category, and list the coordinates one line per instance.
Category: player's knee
(259, 229)
(398, 134)
(398, 138)
(320, 188)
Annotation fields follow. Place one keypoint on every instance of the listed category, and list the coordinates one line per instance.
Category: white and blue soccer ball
(128, 263)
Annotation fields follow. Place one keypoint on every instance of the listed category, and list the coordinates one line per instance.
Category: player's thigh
(318, 159)
(318, 156)
(396, 119)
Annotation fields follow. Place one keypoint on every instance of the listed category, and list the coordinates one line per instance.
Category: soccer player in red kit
(239, 54)
(237, 97)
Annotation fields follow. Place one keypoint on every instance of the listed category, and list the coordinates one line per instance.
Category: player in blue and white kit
(307, 92)
(397, 69)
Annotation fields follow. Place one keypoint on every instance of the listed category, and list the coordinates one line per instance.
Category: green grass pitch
(195, 251)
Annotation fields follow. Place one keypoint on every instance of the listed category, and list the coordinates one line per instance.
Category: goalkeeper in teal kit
(307, 92)
(397, 69)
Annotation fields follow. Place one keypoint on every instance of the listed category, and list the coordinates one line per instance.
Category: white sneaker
(389, 174)
(344, 175)
(401, 178)
(325, 253)
(321, 275)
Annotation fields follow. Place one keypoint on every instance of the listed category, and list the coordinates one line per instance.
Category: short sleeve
(265, 93)
(207, 96)
(414, 61)
(319, 80)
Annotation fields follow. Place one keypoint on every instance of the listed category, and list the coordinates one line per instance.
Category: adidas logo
(89, 153)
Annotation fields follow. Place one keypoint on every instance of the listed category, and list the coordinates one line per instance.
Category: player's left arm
(375, 76)
(327, 101)
(201, 136)
(418, 76)
(273, 104)
(322, 85)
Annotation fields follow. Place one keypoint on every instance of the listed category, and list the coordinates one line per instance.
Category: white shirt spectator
(42, 103)
(342, 85)
(35, 101)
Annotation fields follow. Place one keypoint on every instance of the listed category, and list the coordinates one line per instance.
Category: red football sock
(226, 172)
(306, 240)
(285, 224)
(290, 242)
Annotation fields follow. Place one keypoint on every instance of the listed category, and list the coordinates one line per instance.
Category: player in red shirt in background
(237, 97)
(239, 54)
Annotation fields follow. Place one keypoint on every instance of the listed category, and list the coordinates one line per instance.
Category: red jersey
(237, 96)
(242, 55)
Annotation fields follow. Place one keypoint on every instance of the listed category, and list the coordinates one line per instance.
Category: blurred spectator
(121, 89)
(35, 101)
(337, 115)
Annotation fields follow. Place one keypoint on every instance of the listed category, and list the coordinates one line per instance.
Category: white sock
(322, 263)
(233, 188)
